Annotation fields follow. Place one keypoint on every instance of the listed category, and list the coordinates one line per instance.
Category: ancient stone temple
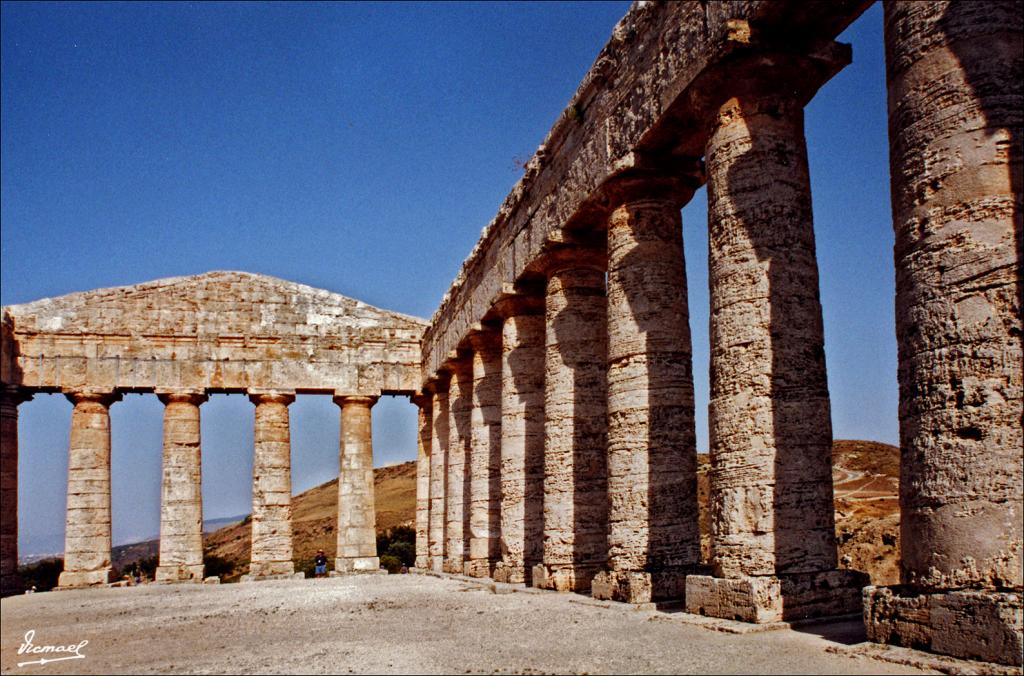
(183, 339)
(579, 283)
(556, 441)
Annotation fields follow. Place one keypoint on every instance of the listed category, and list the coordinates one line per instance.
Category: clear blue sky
(359, 148)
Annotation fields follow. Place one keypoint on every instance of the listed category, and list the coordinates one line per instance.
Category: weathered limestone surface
(955, 112)
(438, 472)
(181, 495)
(972, 624)
(87, 530)
(228, 331)
(575, 408)
(485, 456)
(460, 405)
(357, 516)
(767, 598)
(9, 400)
(522, 440)
(272, 487)
(423, 431)
(652, 452)
(769, 418)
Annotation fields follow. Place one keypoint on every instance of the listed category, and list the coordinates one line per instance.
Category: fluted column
(357, 516)
(485, 456)
(272, 486)
(438, 472)
(575, 406)
(87, 536)
(522, 439)
(9, 400)
(460, 403)
(181, 495)
(424, 425)
(770, 424)
(956, 162)
(653, 532)
(955, 153)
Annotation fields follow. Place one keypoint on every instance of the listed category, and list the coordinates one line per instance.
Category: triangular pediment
(214, 303)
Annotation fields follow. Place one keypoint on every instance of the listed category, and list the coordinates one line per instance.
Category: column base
(576, 578)
(975, 625)
(421, 563)
(435, 564)
(180, 573)
(356, 564)
(638, 586)
(798, 596)
(452, 566)
(477, 568)
(271, 568)
(85, 578)
(509, 574)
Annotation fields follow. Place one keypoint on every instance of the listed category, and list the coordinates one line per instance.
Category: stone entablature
(645, 104)
(220, 331)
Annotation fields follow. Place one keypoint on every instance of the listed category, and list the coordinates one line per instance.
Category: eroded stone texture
(87, 530)
(770, 427)
(652, 461)
(272, 487)
(438, 472)
(181, 494)
(485, 457)
(955, 127)
(423, 431)
(229, 331)
(357, 516)
(575, 406)
(9, 400)
(522, 440)
(980, 625)
(460, 405)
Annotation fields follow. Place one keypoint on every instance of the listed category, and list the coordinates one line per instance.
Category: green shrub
(392, 563)
(403, 551)
(216, 565)
(42, 575)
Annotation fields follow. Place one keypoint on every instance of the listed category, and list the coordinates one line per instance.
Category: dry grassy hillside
(866, 476)
(314, 514)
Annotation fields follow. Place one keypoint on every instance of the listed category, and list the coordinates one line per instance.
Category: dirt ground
(392, 624)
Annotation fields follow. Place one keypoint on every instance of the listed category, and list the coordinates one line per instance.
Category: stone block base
(280, 576)
(269, 568)
(977, 625)
(775, 599)
(180, 573)
(509, 574)
(639, 586)
(453, 566)
(436, 564)
(477, 568)
(563, 578)
(85, 578)
(421, 562)
(356, 564)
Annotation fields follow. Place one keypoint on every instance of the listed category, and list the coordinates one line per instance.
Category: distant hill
(865, 475)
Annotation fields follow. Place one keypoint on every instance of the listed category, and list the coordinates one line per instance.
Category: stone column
(956, 145)
(522, 439)
(87, 530)
(438, 471)
(575, 406)
(272, 487)
(460, 403)
(424, 427)
(485, 456)
(357, 516)
(653, 532)
(181, 495)
(770, 429)
(10, 397)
